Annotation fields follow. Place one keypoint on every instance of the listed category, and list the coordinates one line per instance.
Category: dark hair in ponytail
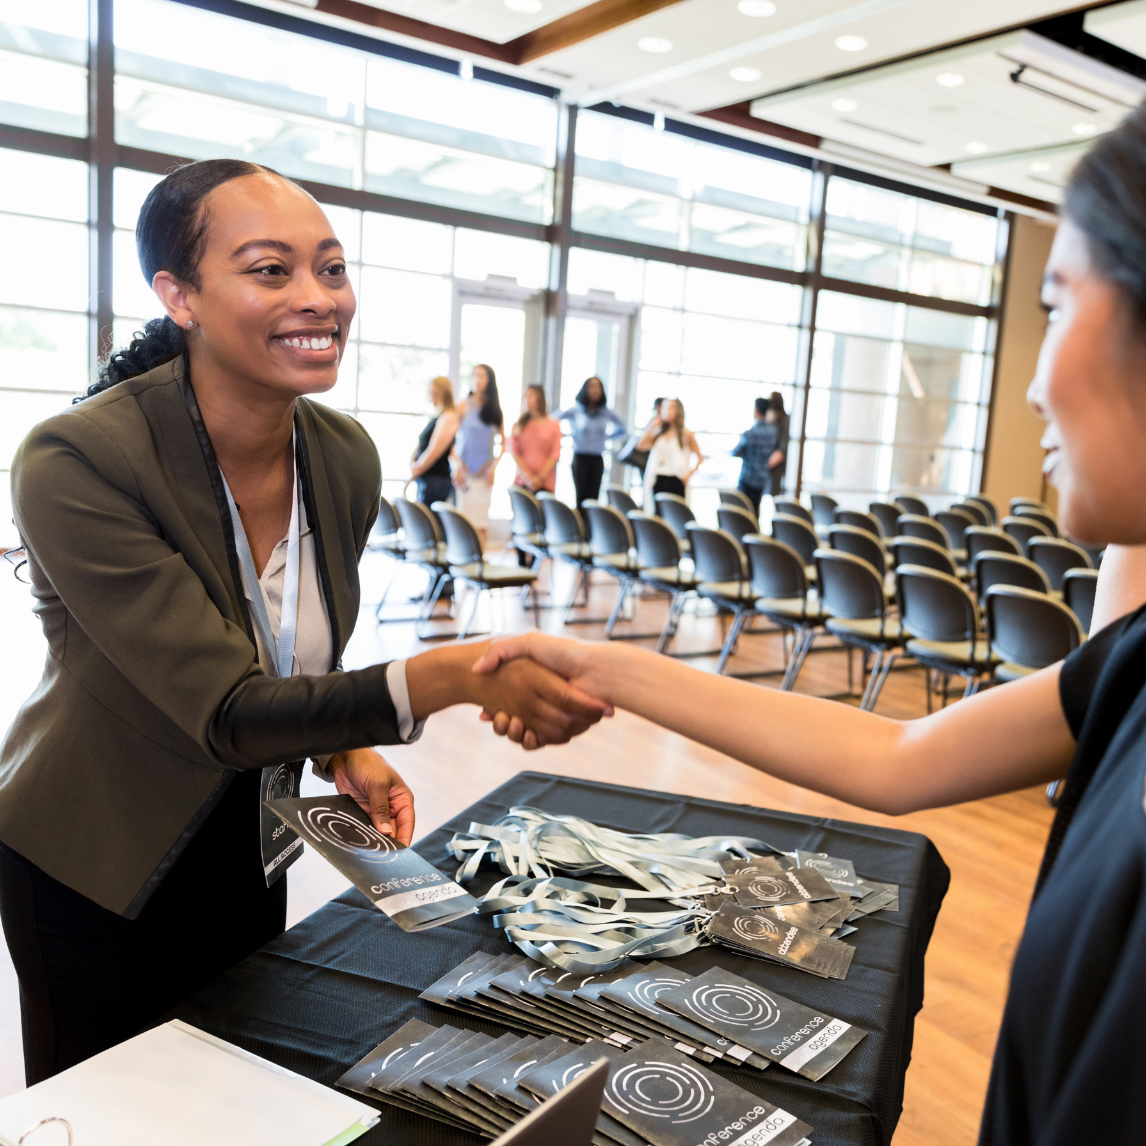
(170, 236)
(1106, 200)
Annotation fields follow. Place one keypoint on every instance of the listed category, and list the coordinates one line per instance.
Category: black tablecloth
(333, 987)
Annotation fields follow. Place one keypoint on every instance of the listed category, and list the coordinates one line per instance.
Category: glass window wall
(43, 65)
(635, 182)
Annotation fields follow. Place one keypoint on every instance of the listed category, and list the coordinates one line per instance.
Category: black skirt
(90, 978)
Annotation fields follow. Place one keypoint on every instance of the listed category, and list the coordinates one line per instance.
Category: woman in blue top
(478, 447)
(593, 423)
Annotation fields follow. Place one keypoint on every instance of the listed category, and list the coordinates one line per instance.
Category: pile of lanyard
(587, 927)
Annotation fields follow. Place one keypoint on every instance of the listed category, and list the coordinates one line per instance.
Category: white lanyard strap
(281, 651)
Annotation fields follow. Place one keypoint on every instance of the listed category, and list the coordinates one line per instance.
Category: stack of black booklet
(697, 1016)
(654, 1094)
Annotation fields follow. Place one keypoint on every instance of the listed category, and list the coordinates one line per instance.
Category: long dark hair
(583, 398)
(1106, 199)
(491, 406)
(542, 406)
(170, 236)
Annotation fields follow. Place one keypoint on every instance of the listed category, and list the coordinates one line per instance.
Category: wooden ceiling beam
(576, 27)
(584, 24)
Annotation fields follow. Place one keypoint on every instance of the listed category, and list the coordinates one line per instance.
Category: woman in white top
(671, 447)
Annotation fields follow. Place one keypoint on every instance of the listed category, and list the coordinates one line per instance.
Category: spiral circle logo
(676, 1092)
(768, 887)
(281, 785)
(571, 1074)
(755, 927)
(733, 1003)
(827, 869)
(647, 991)
(351, 835)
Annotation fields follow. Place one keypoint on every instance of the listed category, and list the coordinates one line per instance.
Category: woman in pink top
(536, 444)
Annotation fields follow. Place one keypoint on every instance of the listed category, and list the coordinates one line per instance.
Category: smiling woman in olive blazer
(133, 864)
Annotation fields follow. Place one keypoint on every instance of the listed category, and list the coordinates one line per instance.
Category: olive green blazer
(116, 759)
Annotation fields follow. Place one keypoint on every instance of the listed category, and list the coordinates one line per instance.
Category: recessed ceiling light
(1040, 168)
(657, 44)
(975, 147)
(851, 43)
(746, 75)
(1085, 128)
(756, 8)
(844, 104)
(944, 79)
(529, 6)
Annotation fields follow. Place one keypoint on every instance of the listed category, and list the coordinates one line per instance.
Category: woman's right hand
(582, 664)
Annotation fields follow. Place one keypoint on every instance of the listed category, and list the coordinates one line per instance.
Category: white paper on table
(179, 1086)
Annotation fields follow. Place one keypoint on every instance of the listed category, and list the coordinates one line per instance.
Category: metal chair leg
(427, 610)
(471, 612)
(622, 596)
(800, 646)
(742, 615)
(669, 630)
(877, 679)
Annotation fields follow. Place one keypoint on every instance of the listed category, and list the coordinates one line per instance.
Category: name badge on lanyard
(280, 845)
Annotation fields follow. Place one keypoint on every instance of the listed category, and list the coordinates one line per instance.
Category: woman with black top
(430, 464)
(1071, 1056)
(193, 528)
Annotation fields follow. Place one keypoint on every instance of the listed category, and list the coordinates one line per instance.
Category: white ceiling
(1039, 173)
(905, 110)
(794, 46)
(1121, 24)
(490, 19)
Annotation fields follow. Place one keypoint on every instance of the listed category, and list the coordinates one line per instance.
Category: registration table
(330, 989)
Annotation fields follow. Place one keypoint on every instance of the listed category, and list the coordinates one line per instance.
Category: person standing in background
(430, 464)
(476, 453)
(778, 463)
(671, 446)
(756, 449)
(593, 423)
(536, 443)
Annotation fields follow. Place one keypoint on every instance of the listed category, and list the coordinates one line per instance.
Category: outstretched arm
(1000, 740)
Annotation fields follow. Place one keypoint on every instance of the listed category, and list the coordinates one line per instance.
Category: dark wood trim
(584, 24)
(1005, 257)
(44, 142)
(821, 174)
(1022, 200)
(419, 30)
(866, 290)
(572, 29)
(739, 115)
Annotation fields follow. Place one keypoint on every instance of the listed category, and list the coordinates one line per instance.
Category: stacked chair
(852, 593)
(976, 511)
(986, 505)
(527, 529)
(424, 545)
(997, 568)
(860, 520)
(956, 521)
(887, 515)
(737, 499)
(790, 508)
(1056, 557)
(1029, 630)
(467, 564)
(781, 589)
(919, 551)
(736, 521)
(1043, 516)
(613, 550)
(659, 566)
(940, 620)
(723, 577)
(678, 514)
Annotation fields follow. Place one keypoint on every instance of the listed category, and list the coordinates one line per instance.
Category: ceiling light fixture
(746, 75)
(1085, 128)
(844, 104)
(944, 79)
(851, 43)
(656, 44)
(1040, 168)
(756, 8)
(975, 147)
(527, 6)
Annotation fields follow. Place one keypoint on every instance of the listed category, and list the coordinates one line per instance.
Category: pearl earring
(190, 324)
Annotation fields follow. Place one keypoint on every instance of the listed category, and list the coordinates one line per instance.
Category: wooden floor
(992, 846)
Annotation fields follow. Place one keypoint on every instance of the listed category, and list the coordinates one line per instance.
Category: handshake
(538, 690)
